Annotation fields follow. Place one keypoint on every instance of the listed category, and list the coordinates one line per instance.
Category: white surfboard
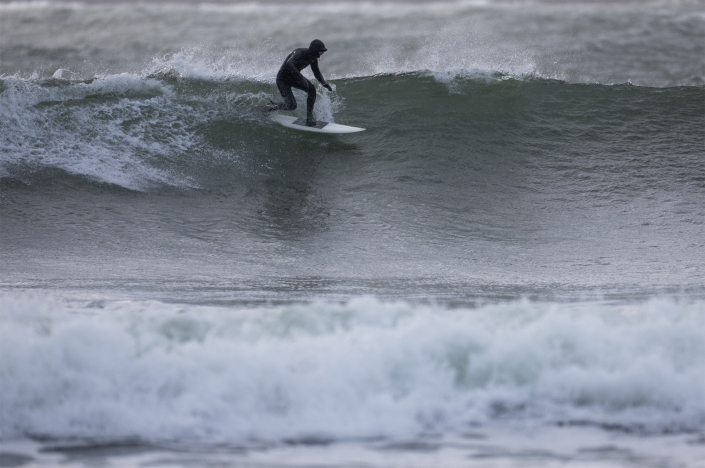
(299, 123)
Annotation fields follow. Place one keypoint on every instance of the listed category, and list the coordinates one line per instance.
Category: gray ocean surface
(507, 268)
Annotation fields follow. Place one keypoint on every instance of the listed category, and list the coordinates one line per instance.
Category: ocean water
(506, 269)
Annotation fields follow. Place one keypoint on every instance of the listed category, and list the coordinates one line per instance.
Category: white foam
(109, 141)
(361, 369)
(216, 64)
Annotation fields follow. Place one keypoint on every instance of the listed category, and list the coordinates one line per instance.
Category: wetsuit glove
(328, 87)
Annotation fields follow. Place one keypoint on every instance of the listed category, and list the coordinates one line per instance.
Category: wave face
(163, 130)
(366, 369)
(486, 179)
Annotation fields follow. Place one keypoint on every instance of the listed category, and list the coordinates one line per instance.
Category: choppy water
(512, 254)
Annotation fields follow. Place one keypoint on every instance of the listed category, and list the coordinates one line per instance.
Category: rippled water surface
(505, 269)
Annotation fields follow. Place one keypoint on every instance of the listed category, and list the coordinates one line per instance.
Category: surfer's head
(317, 47)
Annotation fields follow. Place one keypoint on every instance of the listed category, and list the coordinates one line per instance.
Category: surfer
(290, 76)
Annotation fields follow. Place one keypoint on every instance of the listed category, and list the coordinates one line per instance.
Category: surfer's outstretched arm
(319, 76)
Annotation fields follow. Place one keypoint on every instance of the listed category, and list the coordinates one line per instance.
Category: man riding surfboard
(290, 76)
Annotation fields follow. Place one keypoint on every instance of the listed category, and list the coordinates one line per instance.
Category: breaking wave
(345, 371)
(170, 130)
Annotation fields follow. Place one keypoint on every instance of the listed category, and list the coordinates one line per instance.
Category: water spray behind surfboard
(299, 123)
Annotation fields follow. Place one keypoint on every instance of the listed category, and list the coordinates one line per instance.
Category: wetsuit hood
(317, 46)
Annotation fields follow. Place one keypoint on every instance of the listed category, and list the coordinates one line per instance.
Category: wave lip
(358, 370)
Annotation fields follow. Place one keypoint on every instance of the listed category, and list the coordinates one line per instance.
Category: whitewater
(505, 269)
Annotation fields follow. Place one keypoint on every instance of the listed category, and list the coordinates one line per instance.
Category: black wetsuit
(290, 76)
